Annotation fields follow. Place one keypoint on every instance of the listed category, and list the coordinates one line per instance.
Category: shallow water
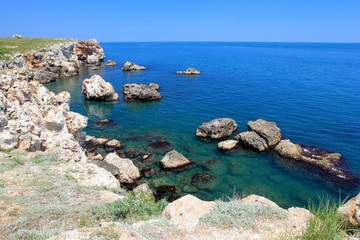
(310, 90)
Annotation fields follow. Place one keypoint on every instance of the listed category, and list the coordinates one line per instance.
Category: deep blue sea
(311, 90)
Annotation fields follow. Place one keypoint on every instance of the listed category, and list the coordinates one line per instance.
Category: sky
(185, 20)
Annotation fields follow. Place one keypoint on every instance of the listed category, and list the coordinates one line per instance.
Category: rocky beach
(42, 141)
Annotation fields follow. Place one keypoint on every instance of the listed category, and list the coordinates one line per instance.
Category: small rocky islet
(34, 119)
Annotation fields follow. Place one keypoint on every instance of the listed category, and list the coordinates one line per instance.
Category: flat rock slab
(267, 130)
(252, 141)
(227, 145)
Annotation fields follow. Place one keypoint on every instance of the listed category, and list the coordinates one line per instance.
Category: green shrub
(17, 161)
(326, 223)
(130, 209)
(238, 214)
(2, 184)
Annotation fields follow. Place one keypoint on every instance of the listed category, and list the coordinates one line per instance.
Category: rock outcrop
(128, 172)
(330, 162)
(35, 119)
(267, 130)
(174, 159)
(189, 71)
(140, 92)
(95, 88)
(130, 66)
(252, 141)
(143, 191)
(57, 61)
(217, 128)
(350, 211)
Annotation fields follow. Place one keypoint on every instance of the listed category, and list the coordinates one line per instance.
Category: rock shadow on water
(168, 192)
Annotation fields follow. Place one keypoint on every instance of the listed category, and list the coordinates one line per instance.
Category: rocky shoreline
(34, 119)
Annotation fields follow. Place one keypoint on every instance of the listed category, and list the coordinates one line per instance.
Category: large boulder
(174, 159)
(95, 88)
(130, 66)
(128, 172)
(110, 63)
(267, 130)
(252, 141)
(185, 212)
(140, 92)
(329, 162)
(143, 191)
(350, 211)
(189, 71)
(217, 128)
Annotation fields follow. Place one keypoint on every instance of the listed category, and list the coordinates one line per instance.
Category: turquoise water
(310, 90)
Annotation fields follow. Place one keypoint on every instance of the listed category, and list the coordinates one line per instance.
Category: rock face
(110, 63)
(143, 190)
(351, 211)
(57, 61)
(267, 130)
(217, 128)
(127, 171)
(35, 119)
(174, 159)
(252, 141)
(140, 92)
(328, 161)
(89, 51)
(95, 88)
(227, 145)
(185, 212)
(130, 66)
(189, 71)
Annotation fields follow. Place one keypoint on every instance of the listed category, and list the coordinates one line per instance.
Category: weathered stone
(95, 88)
(217, 128)
(350, 211)
(128, 172)
(227, 145)
(287, 149)
(140, 92)
(130, 66)
(252, 141)
(174, 159)
(142, 191)
(189, 71)
(113, 144)
(8, 140)
(75, 122)
(267, 130)
(185, 212)
(89, 51)
(55, 120)
(154, 85)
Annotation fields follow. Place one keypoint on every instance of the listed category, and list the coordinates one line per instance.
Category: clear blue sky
(185, 20)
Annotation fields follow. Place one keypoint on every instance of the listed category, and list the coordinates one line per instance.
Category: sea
(311, 90)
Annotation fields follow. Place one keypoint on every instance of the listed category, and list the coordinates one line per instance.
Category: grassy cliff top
(12, 45)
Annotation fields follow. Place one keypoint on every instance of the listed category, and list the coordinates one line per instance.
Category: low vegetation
(326, 223)
(12, 45)
(238, 214)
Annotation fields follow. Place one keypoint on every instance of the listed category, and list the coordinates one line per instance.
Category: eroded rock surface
(217, 128)
(95, 88)
(267, 130)
(252, 141)
(174, 159)
(351, 210)
(140, 92)
(130, 66)
(189, 71)
(128, 172)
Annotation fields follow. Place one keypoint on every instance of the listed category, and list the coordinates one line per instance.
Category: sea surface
(311, 90)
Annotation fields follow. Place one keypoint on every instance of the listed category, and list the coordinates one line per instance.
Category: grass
(9, 46)
(129, 209)
(238, 214)
(326, 223)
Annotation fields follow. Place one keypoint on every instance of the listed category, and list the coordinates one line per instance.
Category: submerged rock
(252, 141)
(168, 192)
(161, 145)
(329, 162)
(174, 159)
(140, 92)
(189, 71)
(217, 128)
(110, 63)
(95, 88)
(130, 66)
(267, 130)
(204, 180)
(103, 123)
